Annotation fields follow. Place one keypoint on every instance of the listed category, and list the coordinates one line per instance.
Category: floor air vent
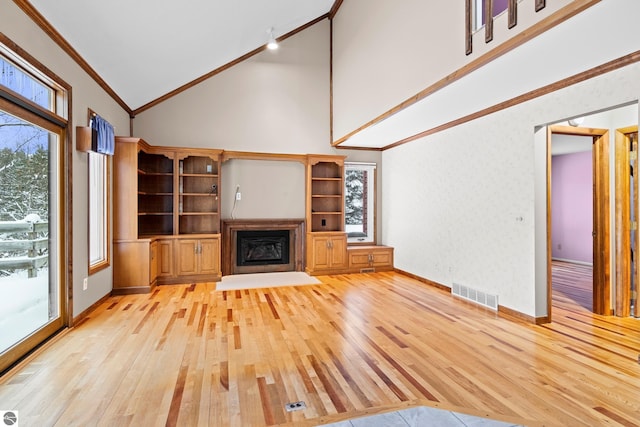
(295, 406)
(479, 297)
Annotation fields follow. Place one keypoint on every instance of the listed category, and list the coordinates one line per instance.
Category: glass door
(31, 285)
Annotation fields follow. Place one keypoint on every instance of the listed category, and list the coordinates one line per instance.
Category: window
(98, 212)
(479, 9)
(359, 202)
(33, 206)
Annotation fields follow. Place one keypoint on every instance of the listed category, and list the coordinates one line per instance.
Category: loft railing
(487, 5)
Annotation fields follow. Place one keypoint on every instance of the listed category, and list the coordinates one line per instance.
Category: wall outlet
(85, 284)
(238, 196)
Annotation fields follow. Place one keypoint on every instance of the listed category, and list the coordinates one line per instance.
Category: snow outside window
(359, 201)
(98, 217)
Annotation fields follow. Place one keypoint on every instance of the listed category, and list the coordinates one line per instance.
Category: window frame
(101, 228)
(371, 193)
(56, 119)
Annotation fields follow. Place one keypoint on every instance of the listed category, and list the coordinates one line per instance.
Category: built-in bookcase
(198, 195)
(155, 194)
(325, 190)
(326, 240)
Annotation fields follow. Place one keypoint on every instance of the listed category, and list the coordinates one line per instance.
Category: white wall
(386, 52)
(269, 189)
(85, 94)
(475, 195)
(276, 101)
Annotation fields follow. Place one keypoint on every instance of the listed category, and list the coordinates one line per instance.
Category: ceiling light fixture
(272, 44)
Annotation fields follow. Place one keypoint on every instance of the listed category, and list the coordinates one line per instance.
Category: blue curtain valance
(104, 136)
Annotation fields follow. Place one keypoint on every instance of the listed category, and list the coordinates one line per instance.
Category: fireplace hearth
(262, 245)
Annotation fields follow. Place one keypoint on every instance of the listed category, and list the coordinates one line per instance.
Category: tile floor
(421, 416)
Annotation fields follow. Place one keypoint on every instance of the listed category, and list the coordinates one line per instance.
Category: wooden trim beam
(576, 131)
(247, 155)
(546, 24)
(580, 77)
(335, 8)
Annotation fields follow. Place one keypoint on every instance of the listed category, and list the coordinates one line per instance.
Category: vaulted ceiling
(144, 49)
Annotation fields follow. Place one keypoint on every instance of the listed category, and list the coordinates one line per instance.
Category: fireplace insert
(257, 247)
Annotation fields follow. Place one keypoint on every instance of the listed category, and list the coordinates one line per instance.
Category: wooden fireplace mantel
(230, 227)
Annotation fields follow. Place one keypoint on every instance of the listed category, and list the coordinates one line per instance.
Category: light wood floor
(572, 284)
(188, 355)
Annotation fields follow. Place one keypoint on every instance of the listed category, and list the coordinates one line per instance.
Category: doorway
(572, 220)
(601, 292)
(35, 199)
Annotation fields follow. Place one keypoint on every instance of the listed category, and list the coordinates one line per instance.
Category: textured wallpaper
(459, 205)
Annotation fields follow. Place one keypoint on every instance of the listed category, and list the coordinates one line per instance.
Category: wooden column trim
(488, 21)
(468, 36)
(512, 12)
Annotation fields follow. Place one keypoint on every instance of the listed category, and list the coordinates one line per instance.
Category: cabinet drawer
(378, 257)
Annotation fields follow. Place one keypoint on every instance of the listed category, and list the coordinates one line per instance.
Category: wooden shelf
(142, 172)
(200, 175)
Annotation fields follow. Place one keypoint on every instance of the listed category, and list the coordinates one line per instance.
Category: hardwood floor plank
(190, 355)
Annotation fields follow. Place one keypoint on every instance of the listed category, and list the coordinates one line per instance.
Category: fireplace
(262, 245)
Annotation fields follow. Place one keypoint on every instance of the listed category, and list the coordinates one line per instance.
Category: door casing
(601, 216)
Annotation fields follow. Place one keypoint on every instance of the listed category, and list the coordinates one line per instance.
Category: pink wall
(572, 207)
(498, 7)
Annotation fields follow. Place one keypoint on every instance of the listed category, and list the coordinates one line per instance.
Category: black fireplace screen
(262, 247)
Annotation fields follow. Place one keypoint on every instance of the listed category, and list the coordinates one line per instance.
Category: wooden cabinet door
(359, 259)
(338, 251)
(209, 256)
(165, 258)
(320, 259)
(187, 256)
(382, 258)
